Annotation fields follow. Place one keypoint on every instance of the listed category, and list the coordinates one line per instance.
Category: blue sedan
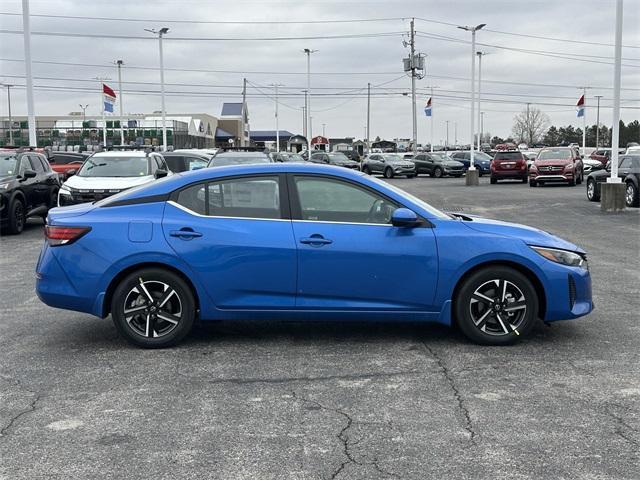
(301, 241)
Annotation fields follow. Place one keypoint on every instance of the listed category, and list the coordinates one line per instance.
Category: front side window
(8, 164)
(195, 163)
(251, 197)
(332, 200)
(35, 162)
(626, 162)
(25, 164)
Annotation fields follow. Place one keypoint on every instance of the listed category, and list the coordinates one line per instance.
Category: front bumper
(404, 170)
(562, 177)
(83, 196)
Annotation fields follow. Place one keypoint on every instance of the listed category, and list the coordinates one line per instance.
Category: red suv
(509, 165)
(557, 164)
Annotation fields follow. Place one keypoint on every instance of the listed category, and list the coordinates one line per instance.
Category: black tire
(366, 170)
(437, 172)
(579, 179)
(525, 179)
(410, 176)
(632, 196)
(533, 183)
(488, 323)
(458, 176)
(388, 172)
(572, 182)
(493, 180)
(17, 217)
(592, 191)
(479, 173)
(179, 306)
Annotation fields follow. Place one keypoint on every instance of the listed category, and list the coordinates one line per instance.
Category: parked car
(389, 165)
(603, 155)
(234, 157)
(632, 183)
(557, 164)
(352, 155)
(208, 152)
(301, 241)
(523, 147)
(437, 165)
(633, 150)
(106, 173)
(185, 161)
(481, 161)
(530, 157)
(66, 163)
(595, 179)
(334, 158)
(28, 188)
(286, 157)
(509, 166)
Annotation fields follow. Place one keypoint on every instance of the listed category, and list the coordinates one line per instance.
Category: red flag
(429, 103)
(580, 102)
(108, 91)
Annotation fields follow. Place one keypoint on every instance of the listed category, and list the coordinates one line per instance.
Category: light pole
(119, 63)
(480, 54)
(308, 53)
(472, 179)
(447, 142)
(455, 133)
(598, 97)
(481, 129)
(26, 33)
(84, 113)
(10, 118)
(368, 126)
(275, 86)
(163, 31)
(323, 127)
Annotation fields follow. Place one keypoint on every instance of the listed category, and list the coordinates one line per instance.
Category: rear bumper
(509, 174)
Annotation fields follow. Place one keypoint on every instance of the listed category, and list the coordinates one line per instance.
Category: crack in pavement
(462, 408)
(620, 428)
(344, 439)
(32, 408)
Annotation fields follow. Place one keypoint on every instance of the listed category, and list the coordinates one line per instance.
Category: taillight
(57, 236)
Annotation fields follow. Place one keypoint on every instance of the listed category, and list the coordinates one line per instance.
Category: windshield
(440, 156)
(339, 157)
(481, 156)
(115, 167)
(8, 164)
(245, 160)
(554, 154)
(432, 210)
(392, 158)
(292, 157)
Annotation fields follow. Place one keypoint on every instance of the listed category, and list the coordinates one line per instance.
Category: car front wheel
(17, 216)
(632, 196)
(366, 170)
(153, 308)
(437, 172)
(592, 193)
(496, 306)
(388, 172)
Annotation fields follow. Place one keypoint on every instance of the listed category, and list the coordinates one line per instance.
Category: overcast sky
(359, 60)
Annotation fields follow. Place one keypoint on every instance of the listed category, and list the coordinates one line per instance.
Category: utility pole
(481, 128)
(584, 122)
(368, 117)
(528, 125)
(447, 143)
(323, 126)
(26, 34)
(304, 116)
(431, 135)
(308, 52)
(455, 135)
(119, 63)
(244, 103)
(472, 179)
(412, 43)
(480, 54)
(598, 97)
(275, 86)
(101, 81)
(84, 113)
(160, 33)
(10, 118)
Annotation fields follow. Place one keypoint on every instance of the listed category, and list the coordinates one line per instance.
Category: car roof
(121, 153)
(234, 153)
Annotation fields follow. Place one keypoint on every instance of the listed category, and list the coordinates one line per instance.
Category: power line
(204, 39)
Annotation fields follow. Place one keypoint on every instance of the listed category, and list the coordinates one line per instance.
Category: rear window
(508, 156)
(222, 160)
(554, 154)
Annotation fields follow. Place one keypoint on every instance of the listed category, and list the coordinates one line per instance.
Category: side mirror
(160, 173)
(73, 171)
(403, 217)
(28, 174)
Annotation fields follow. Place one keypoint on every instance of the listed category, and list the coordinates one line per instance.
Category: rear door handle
(316, 240)
(185, 233)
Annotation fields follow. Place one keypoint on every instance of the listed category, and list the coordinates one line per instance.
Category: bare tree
(530, 125)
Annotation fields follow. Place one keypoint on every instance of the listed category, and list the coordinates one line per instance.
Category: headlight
(564, 257)
(64, 191)
(4, 186)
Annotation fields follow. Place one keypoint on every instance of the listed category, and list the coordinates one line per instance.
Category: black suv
(437, 165)
(28, 188)
(597, 178)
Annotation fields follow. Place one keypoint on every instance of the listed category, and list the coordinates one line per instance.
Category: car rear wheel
(525, 179)
(533, 183)
(153, 308)
(579, 179)
(17, 217)
(366, 170)
(592, 193)
(496, 306)
(437, 172)
(493, 180)
(572, 182)
(388, 172)
(631, 195)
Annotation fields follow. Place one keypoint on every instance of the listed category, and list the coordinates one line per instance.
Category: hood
(7, 178)
(106, 183)
(401, 162)
(344, 162)
(530, 235)
(558, 161)
(453, 163)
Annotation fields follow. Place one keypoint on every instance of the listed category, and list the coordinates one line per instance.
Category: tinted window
(245, 197)
(176, 163)
(25, 164)
(195, 163)
(508, 156)
(222, 160)
(626, 162)
(35, 163)
(63, 159)
(193, 198)
(329, 200)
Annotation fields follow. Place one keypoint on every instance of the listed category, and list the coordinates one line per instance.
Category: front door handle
(316, 240)
(185, 233)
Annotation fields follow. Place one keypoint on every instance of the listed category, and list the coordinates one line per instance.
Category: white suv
(107, 173)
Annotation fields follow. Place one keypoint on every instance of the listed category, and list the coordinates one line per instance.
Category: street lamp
(480, 55)
(10, 118)
(163, 31)
(119, 63)
(472, 179)
(308, 53)
(84, 113)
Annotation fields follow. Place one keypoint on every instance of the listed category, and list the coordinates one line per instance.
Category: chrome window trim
(344, 223)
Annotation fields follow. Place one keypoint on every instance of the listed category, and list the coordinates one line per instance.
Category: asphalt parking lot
(326, 400)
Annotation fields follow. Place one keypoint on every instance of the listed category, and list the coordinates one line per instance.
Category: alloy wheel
(630, 194)
(498, 307)
(152, 309)
(19, 216)
(591, 190)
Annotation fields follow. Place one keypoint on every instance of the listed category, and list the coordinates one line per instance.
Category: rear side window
(508, 156)
(35, 162)
(251, 197)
